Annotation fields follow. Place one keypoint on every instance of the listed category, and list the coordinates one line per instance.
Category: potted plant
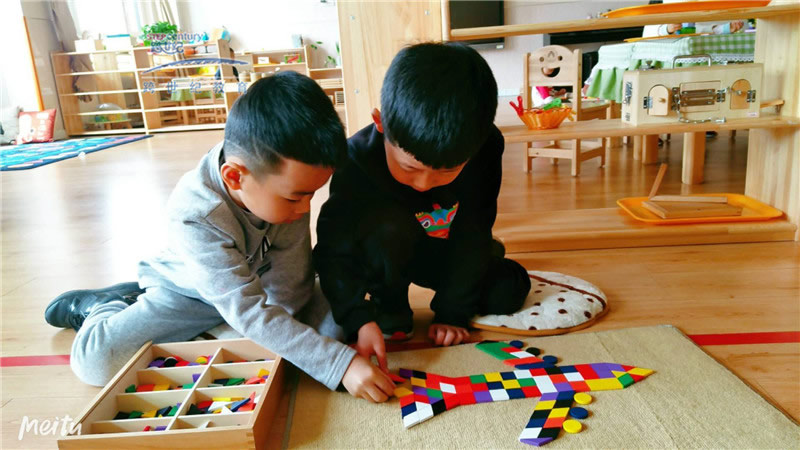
(166, 29)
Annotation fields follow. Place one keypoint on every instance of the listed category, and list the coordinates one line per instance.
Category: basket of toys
(548, 116)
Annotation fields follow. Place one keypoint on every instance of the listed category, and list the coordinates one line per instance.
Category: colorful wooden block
(557, 387)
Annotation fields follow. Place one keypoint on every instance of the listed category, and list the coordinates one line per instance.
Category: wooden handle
(660, 177)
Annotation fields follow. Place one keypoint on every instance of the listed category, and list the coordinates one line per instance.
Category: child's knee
(91, 362)
(507, 286)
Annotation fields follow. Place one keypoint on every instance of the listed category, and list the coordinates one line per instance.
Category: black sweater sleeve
(336, 261)
(456, 301)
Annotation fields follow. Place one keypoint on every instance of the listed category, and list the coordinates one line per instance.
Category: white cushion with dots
(555, 302)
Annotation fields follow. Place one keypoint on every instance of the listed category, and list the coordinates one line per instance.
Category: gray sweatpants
(113, 332)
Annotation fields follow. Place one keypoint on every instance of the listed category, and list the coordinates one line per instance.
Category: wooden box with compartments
(200, 394)
(691, 94)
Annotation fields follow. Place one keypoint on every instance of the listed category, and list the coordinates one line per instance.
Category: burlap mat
(690, 402)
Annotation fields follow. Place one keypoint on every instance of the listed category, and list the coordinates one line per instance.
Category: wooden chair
(557, 66)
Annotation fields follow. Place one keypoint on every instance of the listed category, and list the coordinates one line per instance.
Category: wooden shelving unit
(773, 167)
(278, 60)
(329, 78)
(148, 100)
(331, 81)
(464, 34)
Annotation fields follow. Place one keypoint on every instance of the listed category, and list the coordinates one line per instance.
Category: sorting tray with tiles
(201, 394)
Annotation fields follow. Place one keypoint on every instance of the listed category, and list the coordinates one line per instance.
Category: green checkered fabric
(606, 78)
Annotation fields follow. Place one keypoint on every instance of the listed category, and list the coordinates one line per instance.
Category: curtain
(144, 12)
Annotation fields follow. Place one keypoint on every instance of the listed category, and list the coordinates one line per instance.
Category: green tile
(477, 378)
(626, 380)
(526, 382)
(434, 393)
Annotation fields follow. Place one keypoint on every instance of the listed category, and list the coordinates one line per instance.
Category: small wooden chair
(564, 68)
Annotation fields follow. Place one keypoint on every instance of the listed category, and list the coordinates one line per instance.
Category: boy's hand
(442, 334)
(363, 380)
(370, 342)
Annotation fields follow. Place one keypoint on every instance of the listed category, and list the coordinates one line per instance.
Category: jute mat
(690, 402)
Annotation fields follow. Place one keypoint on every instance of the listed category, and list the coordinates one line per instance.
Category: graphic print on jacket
(437, 222)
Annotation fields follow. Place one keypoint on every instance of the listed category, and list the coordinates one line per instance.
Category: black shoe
(70, 309)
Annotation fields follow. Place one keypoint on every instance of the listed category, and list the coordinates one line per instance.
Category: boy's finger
(432, 333)
(377, 395)
(380, 353)
(449, 337)
(385, 384)
(440, 334)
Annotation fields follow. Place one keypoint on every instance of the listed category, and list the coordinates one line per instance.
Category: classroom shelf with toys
(126, 91)
(773, 174)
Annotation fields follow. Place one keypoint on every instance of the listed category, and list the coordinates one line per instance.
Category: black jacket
(362, 190)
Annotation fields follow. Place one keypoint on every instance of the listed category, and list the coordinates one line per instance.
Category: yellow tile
(511, 384)
(617, 373)
(558, 412)
(547, 404)
(401, 392)
(493, 376)
(607, 384)
(161, 387)
(417, 382)
(262, 372)
(640, 371)
(221, 399)
(149, 414)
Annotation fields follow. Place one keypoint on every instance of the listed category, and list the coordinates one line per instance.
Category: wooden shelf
(463, 34)
(265, 52)
(139, 130)
(258, 66)
(185, 108)
(101, 113)
(94, 52)
(615, 128)
(612, 228)
(203, 126)
(121, 91)
(98, 72)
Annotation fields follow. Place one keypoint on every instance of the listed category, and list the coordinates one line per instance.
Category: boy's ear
(376, 117)
(232, 174)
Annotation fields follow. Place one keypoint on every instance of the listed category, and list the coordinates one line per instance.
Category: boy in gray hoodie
(239, 250)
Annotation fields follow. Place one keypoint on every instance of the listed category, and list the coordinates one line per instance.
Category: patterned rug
(28, 156)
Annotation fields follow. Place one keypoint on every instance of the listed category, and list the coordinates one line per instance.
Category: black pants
(397, 252)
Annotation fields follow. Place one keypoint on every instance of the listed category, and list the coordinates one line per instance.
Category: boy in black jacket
(416, 202)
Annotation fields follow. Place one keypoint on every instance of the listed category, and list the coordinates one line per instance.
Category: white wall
(44, 41)
(267, 24)
(507, 63)
(17, 85)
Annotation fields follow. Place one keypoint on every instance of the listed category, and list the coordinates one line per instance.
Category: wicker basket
(537, 119)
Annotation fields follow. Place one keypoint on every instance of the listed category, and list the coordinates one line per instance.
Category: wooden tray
(752, 210)
(663, 8)
(240, 430)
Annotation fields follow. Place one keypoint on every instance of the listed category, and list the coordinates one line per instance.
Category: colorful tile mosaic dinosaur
(558, 387)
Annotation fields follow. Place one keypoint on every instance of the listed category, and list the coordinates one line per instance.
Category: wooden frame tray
(662, 8)
(752, 210)
(234, 358)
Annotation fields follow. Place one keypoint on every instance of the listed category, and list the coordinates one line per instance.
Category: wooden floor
(86, 222)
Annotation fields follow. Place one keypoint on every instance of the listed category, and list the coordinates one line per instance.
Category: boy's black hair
(286, 115)
(438, 103)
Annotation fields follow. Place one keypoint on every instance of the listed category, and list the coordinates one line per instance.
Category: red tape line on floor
(772, 337)
(43, 360)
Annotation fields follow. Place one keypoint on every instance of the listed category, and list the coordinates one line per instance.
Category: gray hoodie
(258, 275)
